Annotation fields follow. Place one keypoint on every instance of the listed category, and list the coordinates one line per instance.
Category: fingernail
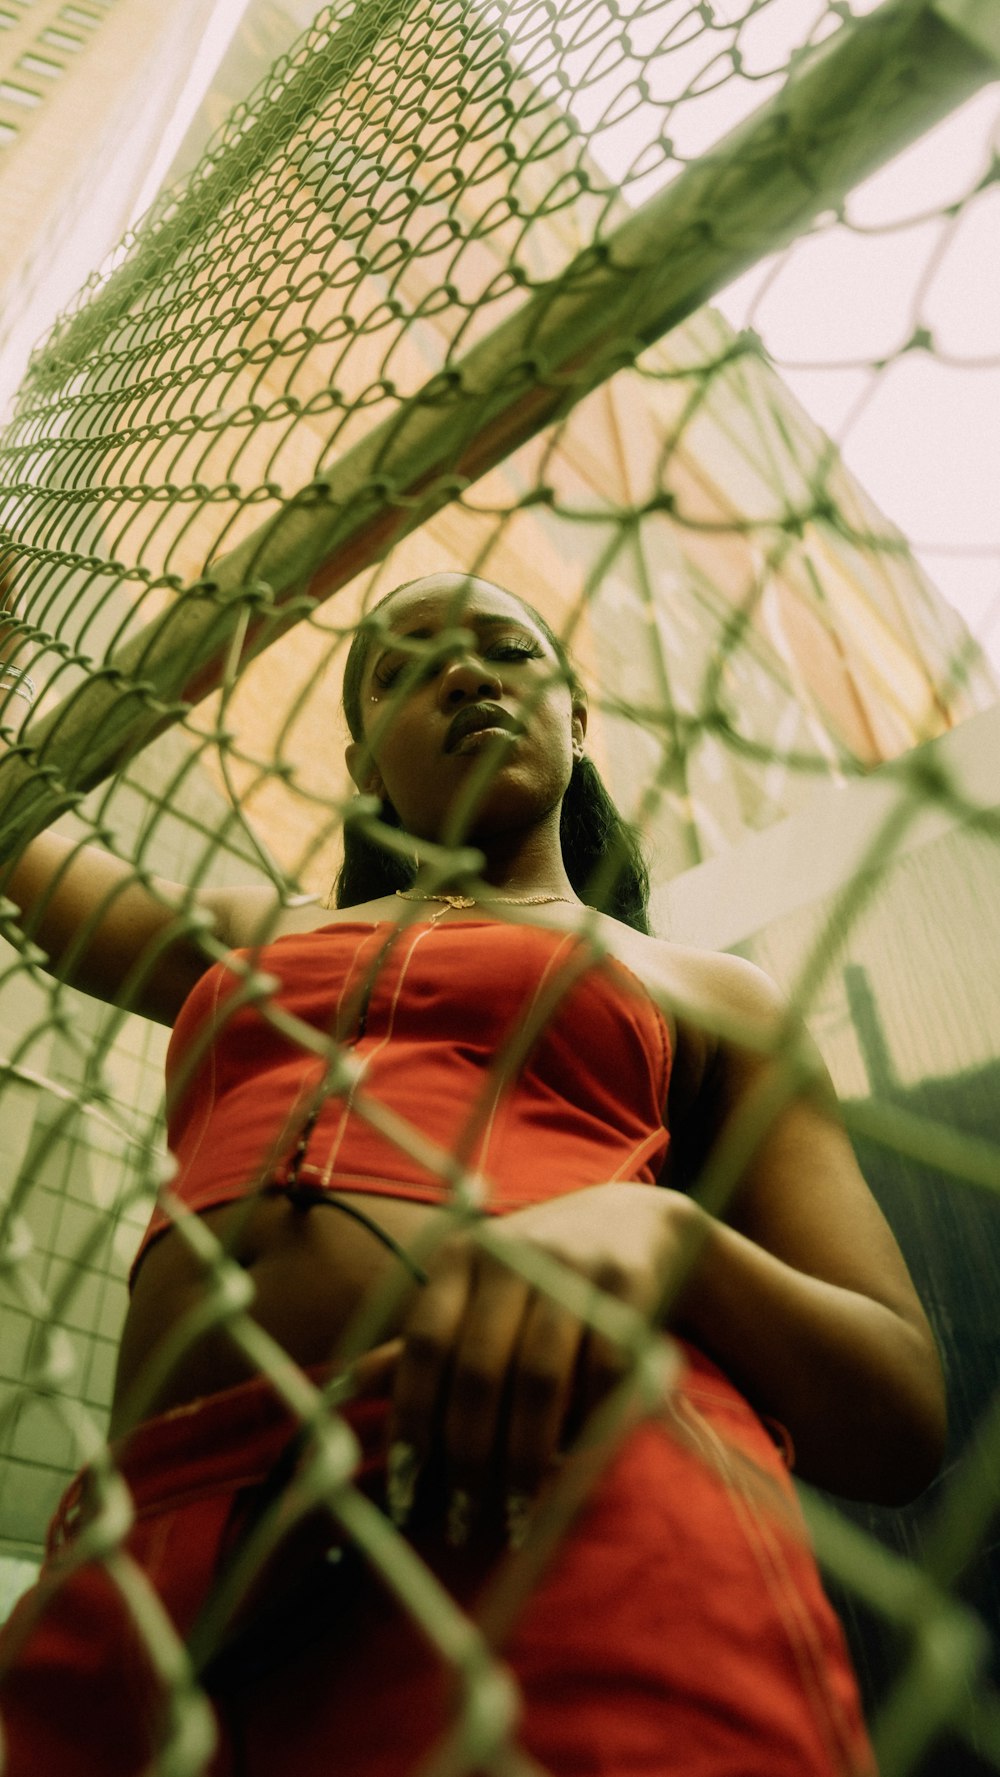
(518, 1510)
(402, 1470)
(459, 1519)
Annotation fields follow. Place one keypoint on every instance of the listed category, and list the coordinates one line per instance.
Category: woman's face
(503, 696)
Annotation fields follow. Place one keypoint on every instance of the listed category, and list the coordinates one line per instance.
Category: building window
(7, 134)
(19, 95)
(76, 15)
(60, 39)
(7, 21)
(40, 65)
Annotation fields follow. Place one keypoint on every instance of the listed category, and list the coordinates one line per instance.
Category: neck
(525, 863)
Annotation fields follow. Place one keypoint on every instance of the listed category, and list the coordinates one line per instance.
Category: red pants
(680, 1629)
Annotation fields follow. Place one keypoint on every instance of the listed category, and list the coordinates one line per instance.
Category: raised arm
(136, 942)
(132, 939)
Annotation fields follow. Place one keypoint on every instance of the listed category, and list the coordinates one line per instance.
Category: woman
(679, 1626)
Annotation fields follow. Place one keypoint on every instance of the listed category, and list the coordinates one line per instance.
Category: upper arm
(764, 1122)
(135, 941)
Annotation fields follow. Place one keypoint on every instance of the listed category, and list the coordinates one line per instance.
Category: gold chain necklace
(459, 902)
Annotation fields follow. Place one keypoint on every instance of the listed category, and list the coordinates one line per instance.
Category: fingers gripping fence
(375, 332)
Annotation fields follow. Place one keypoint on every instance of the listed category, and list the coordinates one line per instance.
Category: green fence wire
(440, 250)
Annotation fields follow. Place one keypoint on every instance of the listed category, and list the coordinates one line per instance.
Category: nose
(466, 679)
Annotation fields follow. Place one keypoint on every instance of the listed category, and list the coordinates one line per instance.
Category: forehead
(455, 601)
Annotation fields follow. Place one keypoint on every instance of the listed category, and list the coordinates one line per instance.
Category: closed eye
(509, 648)
(515, 648)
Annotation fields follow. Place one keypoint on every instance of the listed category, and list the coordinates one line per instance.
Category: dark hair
(601, 851)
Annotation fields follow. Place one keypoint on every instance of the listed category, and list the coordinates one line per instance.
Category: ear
(579, 726)
(364, 772)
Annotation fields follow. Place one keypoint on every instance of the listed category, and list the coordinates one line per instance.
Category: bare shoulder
(248, 916)
(715, 980)
(730, 999)
(230, 909)
(725, 1015)
(251, 916)
(709, 990)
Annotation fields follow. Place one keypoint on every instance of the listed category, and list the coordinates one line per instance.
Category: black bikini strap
(303, 1196)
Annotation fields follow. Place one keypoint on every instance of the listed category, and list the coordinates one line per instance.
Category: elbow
(924, 1451)
(887, 1426)
(915, 1437)
(911, 1471)
(928, 1417)
(904, 1461)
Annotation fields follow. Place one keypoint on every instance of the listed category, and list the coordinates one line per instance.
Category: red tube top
(507, 1046)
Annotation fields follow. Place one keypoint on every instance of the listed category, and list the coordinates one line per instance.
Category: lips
(473, 719)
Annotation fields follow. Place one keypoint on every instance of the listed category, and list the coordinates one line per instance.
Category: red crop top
(506, 1045)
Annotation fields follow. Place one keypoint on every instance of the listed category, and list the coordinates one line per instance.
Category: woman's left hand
(494, 1374)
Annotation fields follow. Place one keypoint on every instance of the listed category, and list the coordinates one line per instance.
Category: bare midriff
(311, 1271)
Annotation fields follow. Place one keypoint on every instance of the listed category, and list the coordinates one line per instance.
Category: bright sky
(923, 436)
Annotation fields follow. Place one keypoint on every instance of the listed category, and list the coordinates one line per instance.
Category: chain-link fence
(433, 298)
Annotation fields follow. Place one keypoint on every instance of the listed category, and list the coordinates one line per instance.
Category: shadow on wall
(950, 1235)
